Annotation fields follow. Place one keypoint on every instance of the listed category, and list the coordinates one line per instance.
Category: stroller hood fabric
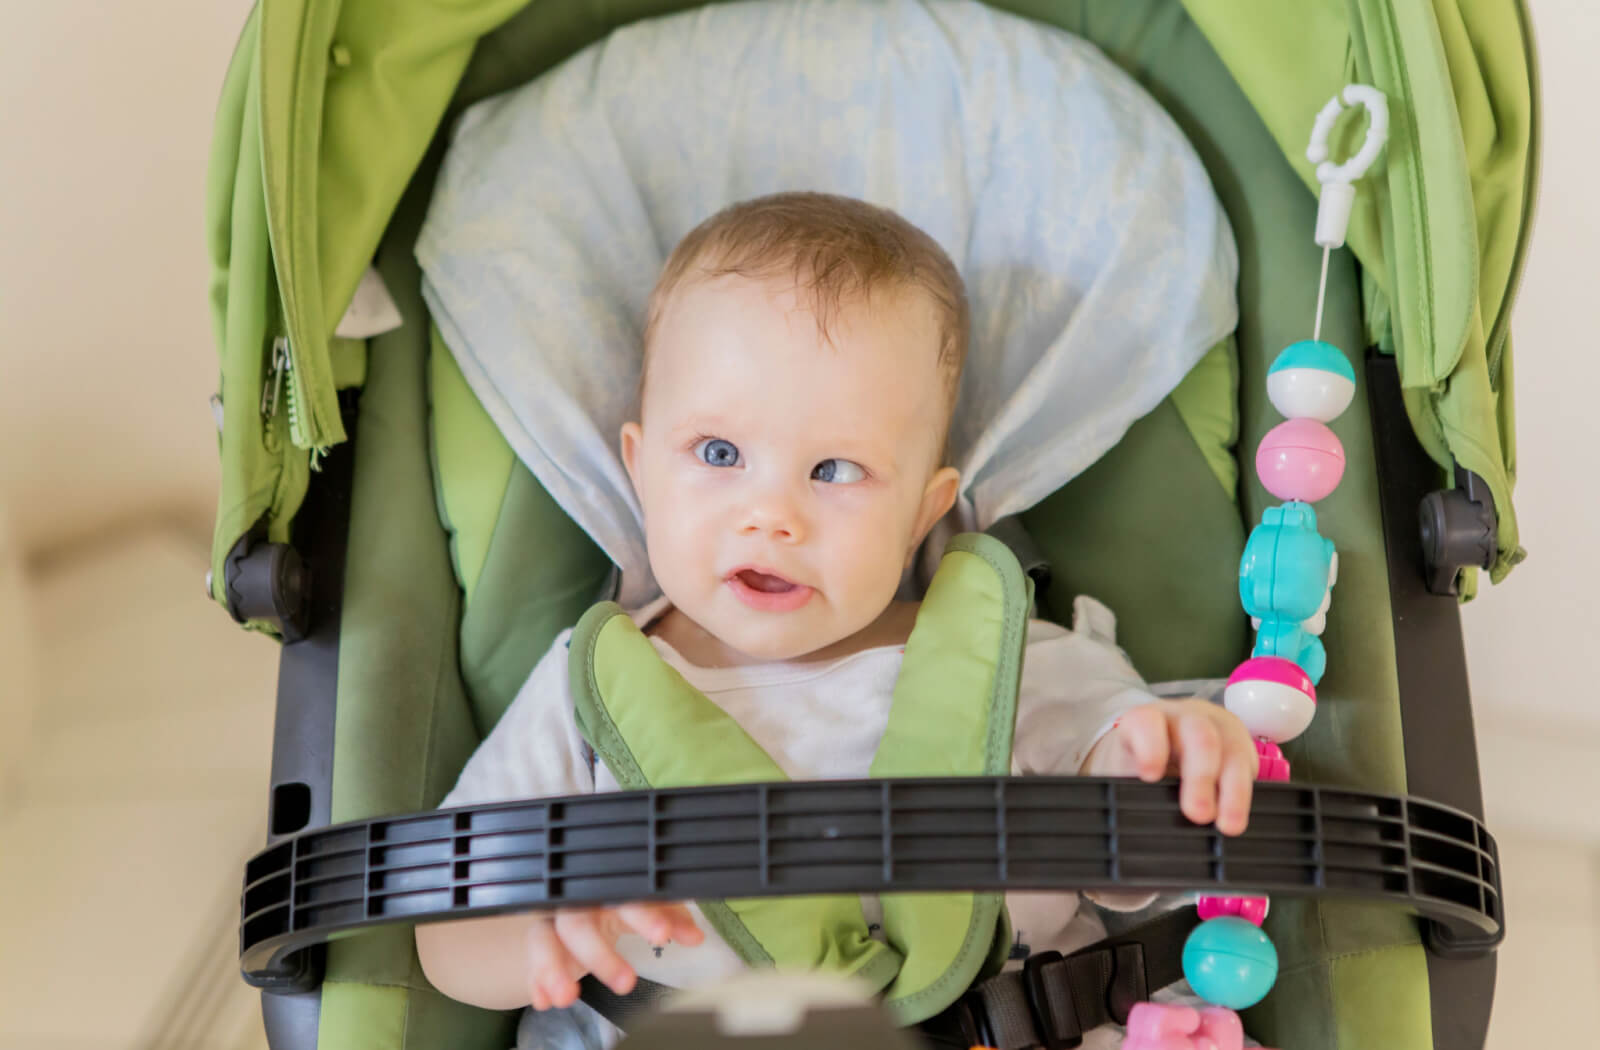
(1099, 264)
(311, 157)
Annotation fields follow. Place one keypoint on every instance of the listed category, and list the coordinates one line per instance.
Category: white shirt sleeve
(1075, 684)
(535, 750)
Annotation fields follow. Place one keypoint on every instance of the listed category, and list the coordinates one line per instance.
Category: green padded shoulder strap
(653, 729)
(955, 701)
(953, 713)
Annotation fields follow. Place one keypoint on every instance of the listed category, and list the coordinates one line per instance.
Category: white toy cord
(1338, 189)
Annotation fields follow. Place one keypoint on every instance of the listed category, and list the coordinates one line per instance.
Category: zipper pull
(272, 388)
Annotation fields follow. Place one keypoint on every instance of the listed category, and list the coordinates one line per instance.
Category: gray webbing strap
(622, 1010)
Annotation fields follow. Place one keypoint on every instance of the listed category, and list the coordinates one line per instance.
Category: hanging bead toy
(1288, 569)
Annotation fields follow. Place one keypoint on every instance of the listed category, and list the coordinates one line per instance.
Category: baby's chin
(767, 636)
(773, 642)
(772, 637)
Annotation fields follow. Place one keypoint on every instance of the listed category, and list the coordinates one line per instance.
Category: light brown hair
(839, 249)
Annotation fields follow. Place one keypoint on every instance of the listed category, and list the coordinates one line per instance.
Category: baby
(801, 360)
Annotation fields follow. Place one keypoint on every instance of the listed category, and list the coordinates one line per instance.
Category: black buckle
(1098, 985)
(1129, 985)
(960, 1026)
(1091, 987)
(1054, 1033)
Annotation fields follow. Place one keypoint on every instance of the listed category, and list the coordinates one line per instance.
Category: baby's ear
(937, 499)
(632, 436)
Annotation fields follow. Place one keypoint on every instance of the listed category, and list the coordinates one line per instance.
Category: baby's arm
(536, 959)
(1084, 709)
(508, 961)
(483, 962)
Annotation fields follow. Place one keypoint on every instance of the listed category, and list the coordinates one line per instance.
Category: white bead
(1310, 393)
(1270, 709)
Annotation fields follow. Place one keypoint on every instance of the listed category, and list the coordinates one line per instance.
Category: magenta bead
(1272, 696)
(1273, 765)
(1300, 459)
(1251, 909)
(1273, 669)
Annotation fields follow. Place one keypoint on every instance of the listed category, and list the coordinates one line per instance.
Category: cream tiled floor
(1549, 967)
(142, 791)
(145, 789)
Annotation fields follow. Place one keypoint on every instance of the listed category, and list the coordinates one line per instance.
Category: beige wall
(106, 360)
(1532, 642)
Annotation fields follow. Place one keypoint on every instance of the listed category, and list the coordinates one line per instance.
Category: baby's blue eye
(837, 472)
(716, 452)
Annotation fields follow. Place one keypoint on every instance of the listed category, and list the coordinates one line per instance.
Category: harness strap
(622, 1010)
(1047, 1005)
(1053, 1000)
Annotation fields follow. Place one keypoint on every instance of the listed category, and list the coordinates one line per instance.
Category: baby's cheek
(677, 562)
(871, 576)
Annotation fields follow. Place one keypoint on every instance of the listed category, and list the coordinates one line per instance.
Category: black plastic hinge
(295, 973)
(268, 582)
(1459, 528)
(1446, 943)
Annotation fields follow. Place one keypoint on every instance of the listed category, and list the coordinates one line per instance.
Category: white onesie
(822, 721)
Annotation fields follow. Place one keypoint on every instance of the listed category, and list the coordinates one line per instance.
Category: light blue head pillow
(1098, 262)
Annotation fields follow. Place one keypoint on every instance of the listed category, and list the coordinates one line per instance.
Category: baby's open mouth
(760, 581)
(766, 592)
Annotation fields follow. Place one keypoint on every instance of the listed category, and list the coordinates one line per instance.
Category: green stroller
(373, 519)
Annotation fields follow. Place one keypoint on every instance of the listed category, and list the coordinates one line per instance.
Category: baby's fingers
(1236, 785)
(595, 950)
(1199, 762)
(1144, 734)
(660, 923)
(551, 968)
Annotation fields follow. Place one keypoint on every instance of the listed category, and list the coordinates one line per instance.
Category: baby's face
(786, 478)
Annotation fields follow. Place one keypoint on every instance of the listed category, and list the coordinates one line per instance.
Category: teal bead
(1324, 357)
(1230, 962)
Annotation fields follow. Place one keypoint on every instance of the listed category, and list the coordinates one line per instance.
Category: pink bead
(1300, 459)
(1273, 669)
(1251, 909)
(1273, 765)
(1167, 1026)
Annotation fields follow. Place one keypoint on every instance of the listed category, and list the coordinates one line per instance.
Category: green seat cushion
(526, 571)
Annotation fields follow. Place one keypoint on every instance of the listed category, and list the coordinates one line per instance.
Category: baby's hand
(575, 942)
(1206, 745)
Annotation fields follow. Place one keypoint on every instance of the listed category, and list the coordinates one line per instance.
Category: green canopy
(1441, 227)
(329, 107)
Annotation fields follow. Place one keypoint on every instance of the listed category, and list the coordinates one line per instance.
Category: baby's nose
(773, 518)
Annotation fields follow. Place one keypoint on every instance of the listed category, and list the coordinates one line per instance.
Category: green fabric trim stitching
(721, 915)
(1015, 596)
(594, 720)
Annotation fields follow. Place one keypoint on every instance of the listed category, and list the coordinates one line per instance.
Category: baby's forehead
(900, 317)
(764, 341)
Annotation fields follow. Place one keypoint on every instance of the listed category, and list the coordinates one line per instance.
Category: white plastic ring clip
(1338, 192)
